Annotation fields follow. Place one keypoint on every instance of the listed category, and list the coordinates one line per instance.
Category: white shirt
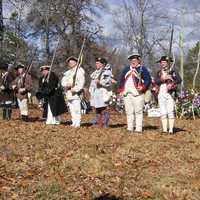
(129, 85)
(67, 81)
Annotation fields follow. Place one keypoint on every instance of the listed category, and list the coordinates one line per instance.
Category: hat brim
(134, 56)
(164, 60)
(72, 58)
(19, 67)
(101, 60)
(44, 68)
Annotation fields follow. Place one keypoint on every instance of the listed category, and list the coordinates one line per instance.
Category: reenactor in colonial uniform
(73, 83)
(167, 80)
(21, 86)
(7, 95)
(133, 83)
(101, 91)
(50, 96)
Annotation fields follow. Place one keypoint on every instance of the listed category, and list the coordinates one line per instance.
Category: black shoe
(25, 118)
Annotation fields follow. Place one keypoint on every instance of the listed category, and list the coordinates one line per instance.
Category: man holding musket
(167, 80)
(21, 86)
(7, 94)
(132, 84)
(73, 83)
(50, 96)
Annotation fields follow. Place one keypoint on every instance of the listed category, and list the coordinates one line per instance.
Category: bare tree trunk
(181, 61)
(197, 69)
(142, 27)
(1, 20)
(47, 38)
(1, 26)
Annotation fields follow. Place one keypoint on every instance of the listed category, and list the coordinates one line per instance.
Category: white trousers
(134, 110)
(51, 119)
(167, 105)
(23, 106)
(75, 110)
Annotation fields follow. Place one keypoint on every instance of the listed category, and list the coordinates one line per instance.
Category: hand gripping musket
(52, 61)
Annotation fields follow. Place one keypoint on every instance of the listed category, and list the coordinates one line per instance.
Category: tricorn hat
(102, 60)
(165, 58)
(19, 65)
(44, 67)
(72, 58)
(4, 66)
(134, 56)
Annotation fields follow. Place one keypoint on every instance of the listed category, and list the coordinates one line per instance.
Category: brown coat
(19, 82)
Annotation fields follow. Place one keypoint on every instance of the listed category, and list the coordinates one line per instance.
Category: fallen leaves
(58, 162)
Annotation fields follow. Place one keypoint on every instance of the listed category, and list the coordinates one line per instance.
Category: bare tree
(135, 23)
(1, 20)
(67, 19)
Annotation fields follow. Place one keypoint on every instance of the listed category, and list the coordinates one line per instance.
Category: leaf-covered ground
(46, 162)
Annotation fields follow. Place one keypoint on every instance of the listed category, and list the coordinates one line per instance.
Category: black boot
(4, 112)
(8, 111)
(25, 118)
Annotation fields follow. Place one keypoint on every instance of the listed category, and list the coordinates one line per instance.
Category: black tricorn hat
(72, 58)
(134, 56)
(101, 60)
(19, 65)
(4, 66)
(165, 58)
(44, 67)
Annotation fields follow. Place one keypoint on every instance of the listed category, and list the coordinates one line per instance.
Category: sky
(190, 20)
(184, 14)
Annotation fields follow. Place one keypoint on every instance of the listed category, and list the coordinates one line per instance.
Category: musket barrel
(52, 61)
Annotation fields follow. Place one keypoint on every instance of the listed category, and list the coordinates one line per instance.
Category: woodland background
(134, 25)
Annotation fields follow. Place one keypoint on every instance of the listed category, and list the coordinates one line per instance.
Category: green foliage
(190, 67)
(13, 47)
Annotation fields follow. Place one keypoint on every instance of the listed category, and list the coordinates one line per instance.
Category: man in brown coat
(22, 85)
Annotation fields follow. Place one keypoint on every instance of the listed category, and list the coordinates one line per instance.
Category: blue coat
(145, 76)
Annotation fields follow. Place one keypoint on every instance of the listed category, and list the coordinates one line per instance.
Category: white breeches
(51, 119)
(75, 110)
(167, 105)
(134, 111)
(23, 106)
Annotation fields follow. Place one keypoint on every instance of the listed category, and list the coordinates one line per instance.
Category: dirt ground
(46, 162)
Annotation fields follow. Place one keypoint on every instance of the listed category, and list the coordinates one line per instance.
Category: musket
(79, 61)
(52, 61)
(80, 56)
(170, 47)
(28, 68)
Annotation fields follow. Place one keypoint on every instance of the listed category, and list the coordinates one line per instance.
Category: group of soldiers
(133, 82)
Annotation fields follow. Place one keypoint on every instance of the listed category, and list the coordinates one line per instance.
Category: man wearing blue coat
(133, 82)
